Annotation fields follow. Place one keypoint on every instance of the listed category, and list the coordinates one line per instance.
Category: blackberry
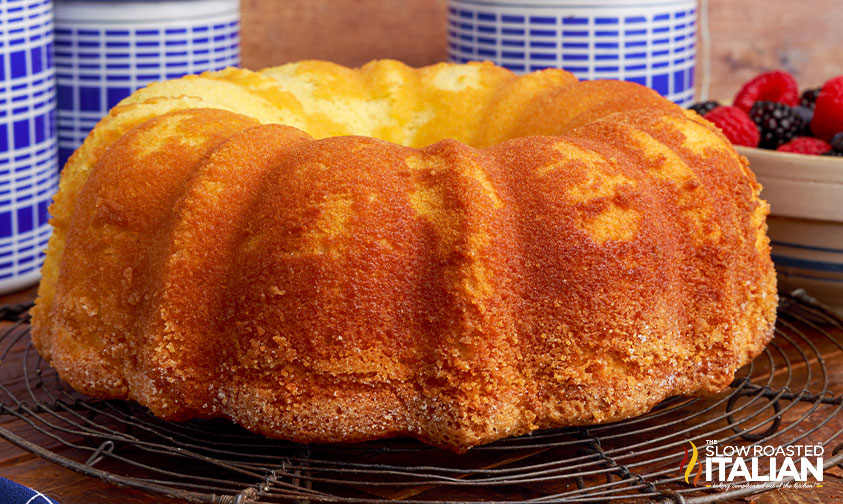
(805, 114)
(703, 108)
(837, 142)
(809, 98)
(777, 123)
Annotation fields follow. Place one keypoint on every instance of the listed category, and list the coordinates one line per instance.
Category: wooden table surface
(69, 487)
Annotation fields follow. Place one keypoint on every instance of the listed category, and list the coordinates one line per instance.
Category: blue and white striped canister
(651, 42)
(105, 49)
(28, 165)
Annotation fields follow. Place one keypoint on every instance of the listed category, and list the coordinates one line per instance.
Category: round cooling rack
(787, 396)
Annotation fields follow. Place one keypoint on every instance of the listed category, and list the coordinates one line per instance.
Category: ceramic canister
(651, 42)
(105, 49)
(28, 165)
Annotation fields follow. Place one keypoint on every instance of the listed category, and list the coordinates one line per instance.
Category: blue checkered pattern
(13, 493)
(99, 64)
(653, 45)
(28, 162)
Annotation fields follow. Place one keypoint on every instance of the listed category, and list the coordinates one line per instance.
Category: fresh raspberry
(736, 125)
(805, 145)
(828, 114)
(776, 86)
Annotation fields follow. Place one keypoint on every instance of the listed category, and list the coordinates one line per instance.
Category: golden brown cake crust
(211, 263)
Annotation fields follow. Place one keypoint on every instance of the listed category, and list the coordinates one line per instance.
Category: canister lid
(140, 11)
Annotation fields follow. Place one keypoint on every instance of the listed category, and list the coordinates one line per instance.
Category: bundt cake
(452, 253)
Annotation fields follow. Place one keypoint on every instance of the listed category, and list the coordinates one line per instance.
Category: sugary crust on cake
(595, 250)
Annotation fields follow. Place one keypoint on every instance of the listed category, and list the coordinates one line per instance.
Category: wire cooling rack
(787, 396)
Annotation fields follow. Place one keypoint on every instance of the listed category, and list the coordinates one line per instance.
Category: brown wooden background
(804, 37)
